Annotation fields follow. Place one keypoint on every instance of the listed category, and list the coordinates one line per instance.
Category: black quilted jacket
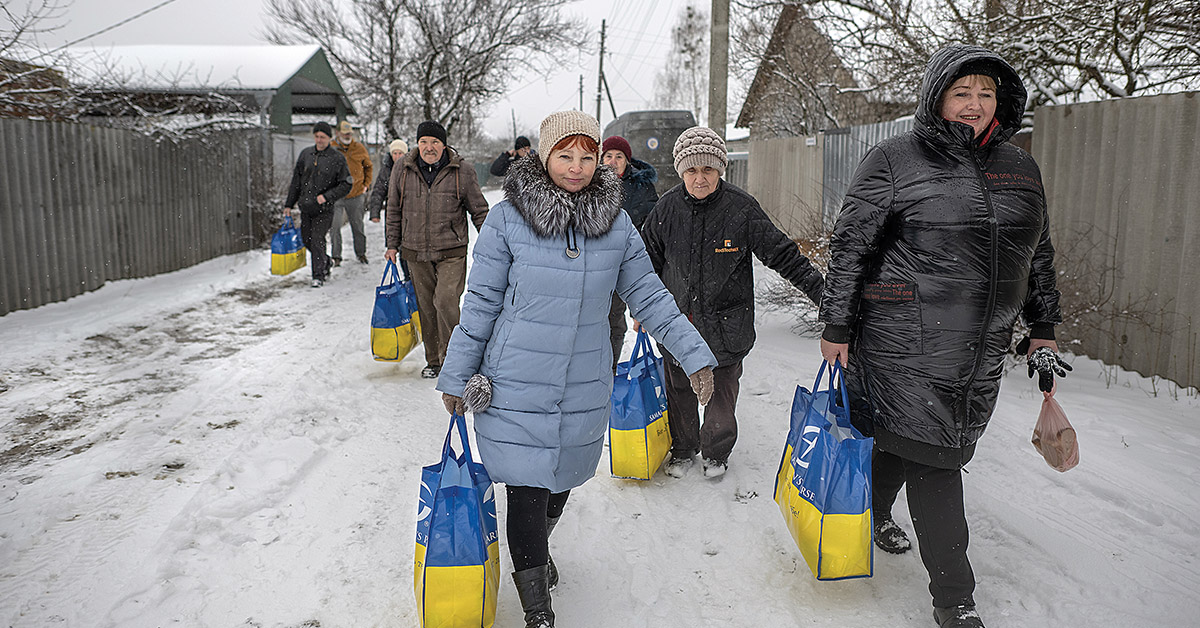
(941, 243)
(704, 251)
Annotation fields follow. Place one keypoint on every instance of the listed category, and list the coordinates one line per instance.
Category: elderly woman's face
(971, 100)
(571, 168)
(615, 159)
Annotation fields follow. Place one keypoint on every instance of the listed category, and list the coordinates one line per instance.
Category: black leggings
(528, 509)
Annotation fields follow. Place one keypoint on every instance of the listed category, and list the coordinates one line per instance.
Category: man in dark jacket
(430, 194)
(700, 237)
(320, 178)
(637, 187)
(520, 149)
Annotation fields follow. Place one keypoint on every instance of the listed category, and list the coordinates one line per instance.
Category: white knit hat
(398, 144)
(562, 124)
(697, 147)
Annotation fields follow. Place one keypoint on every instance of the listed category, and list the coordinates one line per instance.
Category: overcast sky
(639, 33)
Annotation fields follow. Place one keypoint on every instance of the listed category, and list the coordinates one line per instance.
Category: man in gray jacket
(430, 194)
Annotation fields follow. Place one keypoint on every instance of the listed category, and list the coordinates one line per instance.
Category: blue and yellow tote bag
(395, 324)
(287, 249)
(638, 436)
(823, 486)
(457, 562)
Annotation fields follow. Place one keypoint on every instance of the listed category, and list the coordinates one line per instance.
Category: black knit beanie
(323, 127)
(430, 128)
(522, 142)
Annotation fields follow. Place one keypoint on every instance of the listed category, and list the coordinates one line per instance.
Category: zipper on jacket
(993, 243)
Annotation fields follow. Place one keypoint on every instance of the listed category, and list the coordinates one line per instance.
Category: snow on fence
(1124, 204)
(82, 205)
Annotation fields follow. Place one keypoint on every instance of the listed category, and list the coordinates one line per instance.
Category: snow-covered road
(215, 447)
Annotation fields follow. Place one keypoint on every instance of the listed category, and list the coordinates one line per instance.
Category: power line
(109, 28)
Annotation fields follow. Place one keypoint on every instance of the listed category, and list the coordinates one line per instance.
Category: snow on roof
(165, 67)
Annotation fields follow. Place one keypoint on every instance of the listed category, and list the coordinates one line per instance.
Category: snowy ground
(215, 447)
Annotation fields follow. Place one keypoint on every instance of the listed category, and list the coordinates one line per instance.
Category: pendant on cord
(572, 253)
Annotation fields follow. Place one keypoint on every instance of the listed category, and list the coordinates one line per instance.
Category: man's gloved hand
(1047, 363)
(454, 405)
(702, 384)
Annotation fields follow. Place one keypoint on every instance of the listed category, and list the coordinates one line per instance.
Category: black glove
(1047, 364)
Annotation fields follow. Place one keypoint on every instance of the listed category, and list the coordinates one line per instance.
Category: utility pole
(600, 76)
(718, 66)
(514, 121)
(581, 92)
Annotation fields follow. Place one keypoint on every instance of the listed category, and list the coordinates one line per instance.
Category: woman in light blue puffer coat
(531, 355)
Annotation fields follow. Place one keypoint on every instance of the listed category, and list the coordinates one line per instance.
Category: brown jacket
(360, 165)
(429, 223)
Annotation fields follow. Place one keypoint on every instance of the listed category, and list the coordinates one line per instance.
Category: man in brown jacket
(352, 206)
(430, 194)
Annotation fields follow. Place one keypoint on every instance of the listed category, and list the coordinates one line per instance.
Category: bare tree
(412, 60)
(1068, 50)
(683, 80)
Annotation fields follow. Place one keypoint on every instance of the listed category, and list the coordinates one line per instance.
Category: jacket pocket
(736, 325)
(890, 319)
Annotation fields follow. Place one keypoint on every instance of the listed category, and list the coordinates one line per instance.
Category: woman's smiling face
(971, 100)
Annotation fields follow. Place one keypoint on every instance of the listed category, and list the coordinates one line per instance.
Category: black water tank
(651, 136)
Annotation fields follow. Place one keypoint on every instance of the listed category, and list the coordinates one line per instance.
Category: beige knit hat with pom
(561, 124)
(697, 147)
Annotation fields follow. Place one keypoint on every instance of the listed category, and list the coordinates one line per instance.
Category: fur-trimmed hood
(551, 210)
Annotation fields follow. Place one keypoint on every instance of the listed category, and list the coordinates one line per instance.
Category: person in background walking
(351, 206)
(942, 242)
(430, 194)
(520, 149)
(528, 357)
(319, 179)
(637, 183)
(701, 237)
(379, 191)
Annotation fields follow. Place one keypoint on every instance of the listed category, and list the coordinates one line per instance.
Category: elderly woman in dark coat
(638, 198)
(942, 242)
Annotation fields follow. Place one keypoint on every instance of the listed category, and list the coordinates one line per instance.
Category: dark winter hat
(522, 142)
(617, 142)
(429, 128)
(981, 67)
(323, 127)
(697, 147)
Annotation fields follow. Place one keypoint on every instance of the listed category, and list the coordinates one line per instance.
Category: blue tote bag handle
(836, 385)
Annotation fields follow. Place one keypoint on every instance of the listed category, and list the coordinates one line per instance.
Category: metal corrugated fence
(1124, 203)
(785, 177)
(844, 150)
(83, 205)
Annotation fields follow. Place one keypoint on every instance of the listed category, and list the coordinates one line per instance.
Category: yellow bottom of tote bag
(395, 323)
(457, 561)
(823, 486)
(639, 436)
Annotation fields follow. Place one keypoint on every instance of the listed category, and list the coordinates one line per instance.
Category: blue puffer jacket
(535, 322)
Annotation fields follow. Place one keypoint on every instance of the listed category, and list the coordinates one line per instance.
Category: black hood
(943, 69)
(551, 210)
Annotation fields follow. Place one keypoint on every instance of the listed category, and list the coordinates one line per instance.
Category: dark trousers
(714, 440)
(439, 286)
(528, 538)
(935, 501)
(313, 229)
(617, 328)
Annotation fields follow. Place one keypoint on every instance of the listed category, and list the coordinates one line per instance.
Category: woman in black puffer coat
(942, 242)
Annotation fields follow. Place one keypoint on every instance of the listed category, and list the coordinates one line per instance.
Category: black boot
(961, 616)
(553, 571)
(533, 587)
(890, 537)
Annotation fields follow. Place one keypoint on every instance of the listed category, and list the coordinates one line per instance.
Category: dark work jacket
(941, 243)
(316, 173)
(702, 250)
(379, 191)
(500, 167)
(638, 186)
